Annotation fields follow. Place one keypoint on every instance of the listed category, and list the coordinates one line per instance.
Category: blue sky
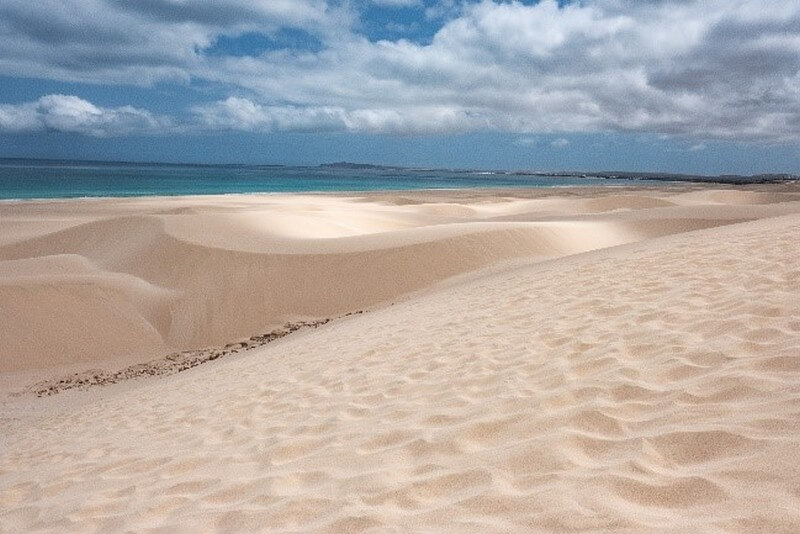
(709, 86)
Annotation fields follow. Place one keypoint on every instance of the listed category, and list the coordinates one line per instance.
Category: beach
(516, 360)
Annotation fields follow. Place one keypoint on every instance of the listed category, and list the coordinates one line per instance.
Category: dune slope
(648, 387)
(122, 281)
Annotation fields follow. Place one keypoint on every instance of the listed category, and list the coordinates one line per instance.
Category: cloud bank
(705, 69)
(66, 113)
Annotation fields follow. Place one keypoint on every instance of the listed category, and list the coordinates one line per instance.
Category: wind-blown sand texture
(579, 359)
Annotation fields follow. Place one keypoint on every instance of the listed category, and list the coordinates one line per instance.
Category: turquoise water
(27, 179)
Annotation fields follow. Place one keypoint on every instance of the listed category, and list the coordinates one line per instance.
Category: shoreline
(354, 192)
(516, 192)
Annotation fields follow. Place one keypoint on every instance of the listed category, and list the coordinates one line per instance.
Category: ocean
(32, 179)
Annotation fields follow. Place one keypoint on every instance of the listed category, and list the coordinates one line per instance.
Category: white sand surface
(534, 361)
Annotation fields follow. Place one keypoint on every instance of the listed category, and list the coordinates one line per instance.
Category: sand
(579, 359)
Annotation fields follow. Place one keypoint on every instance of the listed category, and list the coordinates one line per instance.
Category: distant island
(362, 166)
(730, 179)
(733, 179)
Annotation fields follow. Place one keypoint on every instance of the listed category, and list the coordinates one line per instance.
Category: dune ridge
(181, 274)
(647, 385)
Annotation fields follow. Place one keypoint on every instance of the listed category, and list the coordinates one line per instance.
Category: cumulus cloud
(442, 9)
(67, 113)
(703, 69)
(397, 3)
(140, 42)
(236, 113)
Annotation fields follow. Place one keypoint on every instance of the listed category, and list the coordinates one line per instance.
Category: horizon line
(366, 166)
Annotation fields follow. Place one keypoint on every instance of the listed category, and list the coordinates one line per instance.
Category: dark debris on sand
(172, 363)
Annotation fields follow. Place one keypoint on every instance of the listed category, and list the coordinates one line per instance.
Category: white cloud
(596, 66)
(140, 42)
(560, 143)
(19, 118)
(697, 68)
(526, 141)
(236, 113)
(66, 113)
(398, 3)
(443, 9)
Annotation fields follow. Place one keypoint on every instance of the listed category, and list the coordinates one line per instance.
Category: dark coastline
(730, 179)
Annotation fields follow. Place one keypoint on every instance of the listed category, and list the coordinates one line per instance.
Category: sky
(694, 86)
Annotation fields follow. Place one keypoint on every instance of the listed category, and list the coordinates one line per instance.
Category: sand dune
(627, 365)
(184, 273)
(192, 295)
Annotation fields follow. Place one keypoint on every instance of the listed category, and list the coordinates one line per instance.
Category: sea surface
(30, 179)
